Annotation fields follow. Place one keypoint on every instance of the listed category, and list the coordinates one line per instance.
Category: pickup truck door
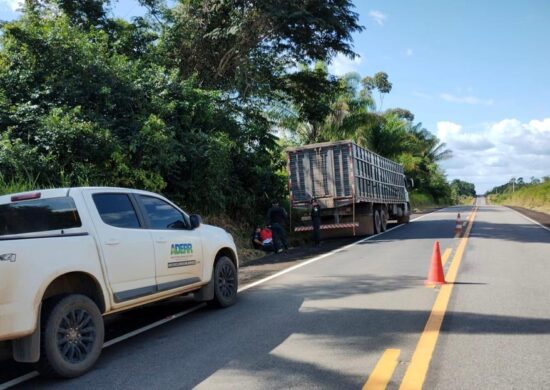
(126, 247)
(178, 248)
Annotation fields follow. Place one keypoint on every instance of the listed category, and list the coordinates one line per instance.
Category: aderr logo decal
(181, 249)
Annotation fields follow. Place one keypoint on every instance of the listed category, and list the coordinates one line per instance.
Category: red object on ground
(436, 275)
(265, 234)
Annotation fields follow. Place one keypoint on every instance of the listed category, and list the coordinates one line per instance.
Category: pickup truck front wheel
(72, 336)
(225, 282)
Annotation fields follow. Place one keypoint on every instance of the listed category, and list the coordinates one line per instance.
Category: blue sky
(477, 74)
(474, 73)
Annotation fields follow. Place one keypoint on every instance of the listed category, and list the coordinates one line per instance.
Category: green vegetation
(197, 100)
(420, 201)
(534, 195)
(462, 192)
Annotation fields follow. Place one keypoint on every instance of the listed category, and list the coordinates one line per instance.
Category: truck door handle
(112, 241)
(161, 240)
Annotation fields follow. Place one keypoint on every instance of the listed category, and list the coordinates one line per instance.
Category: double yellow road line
(418, 368)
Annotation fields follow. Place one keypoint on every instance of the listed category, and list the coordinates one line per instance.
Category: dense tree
(462, 188)
(247, 47)
(171, 102)
(349, 112)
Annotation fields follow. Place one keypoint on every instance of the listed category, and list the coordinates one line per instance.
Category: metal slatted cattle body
(357, 189)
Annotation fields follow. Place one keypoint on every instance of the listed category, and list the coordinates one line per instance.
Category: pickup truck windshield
(38, 216)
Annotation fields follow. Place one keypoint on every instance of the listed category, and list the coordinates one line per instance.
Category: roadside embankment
(533, 197)
(421, 201)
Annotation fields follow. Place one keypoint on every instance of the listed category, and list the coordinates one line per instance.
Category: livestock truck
(358, 190)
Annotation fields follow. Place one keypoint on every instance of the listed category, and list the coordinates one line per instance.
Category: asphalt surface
(326, 324)
(497, 331)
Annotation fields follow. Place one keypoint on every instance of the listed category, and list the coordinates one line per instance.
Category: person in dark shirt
(276, 218)
(316, 221)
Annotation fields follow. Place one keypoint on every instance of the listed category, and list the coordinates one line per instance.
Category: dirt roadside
(539, 216)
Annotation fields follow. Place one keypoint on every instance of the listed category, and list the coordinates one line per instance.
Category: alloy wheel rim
(76, 335)
(226, 281)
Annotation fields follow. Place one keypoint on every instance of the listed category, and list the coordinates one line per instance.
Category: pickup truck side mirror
(195, 220)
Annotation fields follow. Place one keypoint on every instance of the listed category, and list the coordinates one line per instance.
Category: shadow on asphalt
(526, 233)
(251, 337)
(258, 329)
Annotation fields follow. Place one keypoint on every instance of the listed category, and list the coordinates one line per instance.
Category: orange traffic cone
(458, 226)
(436, 269)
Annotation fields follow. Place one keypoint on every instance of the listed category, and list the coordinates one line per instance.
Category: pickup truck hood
(209, 232)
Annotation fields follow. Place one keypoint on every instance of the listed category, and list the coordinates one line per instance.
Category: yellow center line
(382, 373)
(445, 256)
(418, 368)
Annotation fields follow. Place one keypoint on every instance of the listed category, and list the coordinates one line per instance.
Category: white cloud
(378, 17)
(409, 52)
(15, 5)
(498, 152)
(341, 65)
(466, 99)
(451, 133)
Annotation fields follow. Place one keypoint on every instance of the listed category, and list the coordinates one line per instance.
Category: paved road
(497, 332)
(327, 324)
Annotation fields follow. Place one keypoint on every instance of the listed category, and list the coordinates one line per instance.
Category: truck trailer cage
(340, 174)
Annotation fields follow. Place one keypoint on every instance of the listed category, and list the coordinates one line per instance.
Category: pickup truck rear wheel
(226, 282)
(72, 336)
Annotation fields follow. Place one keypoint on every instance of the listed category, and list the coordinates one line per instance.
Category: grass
(241, 233)
(534, 197)
(421, 201)
(465, 200)
(13, 186)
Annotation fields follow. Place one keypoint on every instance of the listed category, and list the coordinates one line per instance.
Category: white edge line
(19, 380)
(33, 374)
(126, 336)
(527, 218)
(324, 255)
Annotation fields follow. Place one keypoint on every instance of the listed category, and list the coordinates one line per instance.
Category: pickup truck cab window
(117, 210)
(163, 215)
(40, 215)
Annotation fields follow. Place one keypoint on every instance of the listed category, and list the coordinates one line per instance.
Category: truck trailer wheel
(72, 336)
(226, 282)
(383, 220)
(377, 221)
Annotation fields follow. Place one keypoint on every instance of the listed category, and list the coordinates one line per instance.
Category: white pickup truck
(70, 256)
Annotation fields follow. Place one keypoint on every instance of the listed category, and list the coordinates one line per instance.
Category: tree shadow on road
(266, 335)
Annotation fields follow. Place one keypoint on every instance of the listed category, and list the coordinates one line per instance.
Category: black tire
(383, 220)
(72, 336)
(377, 222)
(226, 282)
